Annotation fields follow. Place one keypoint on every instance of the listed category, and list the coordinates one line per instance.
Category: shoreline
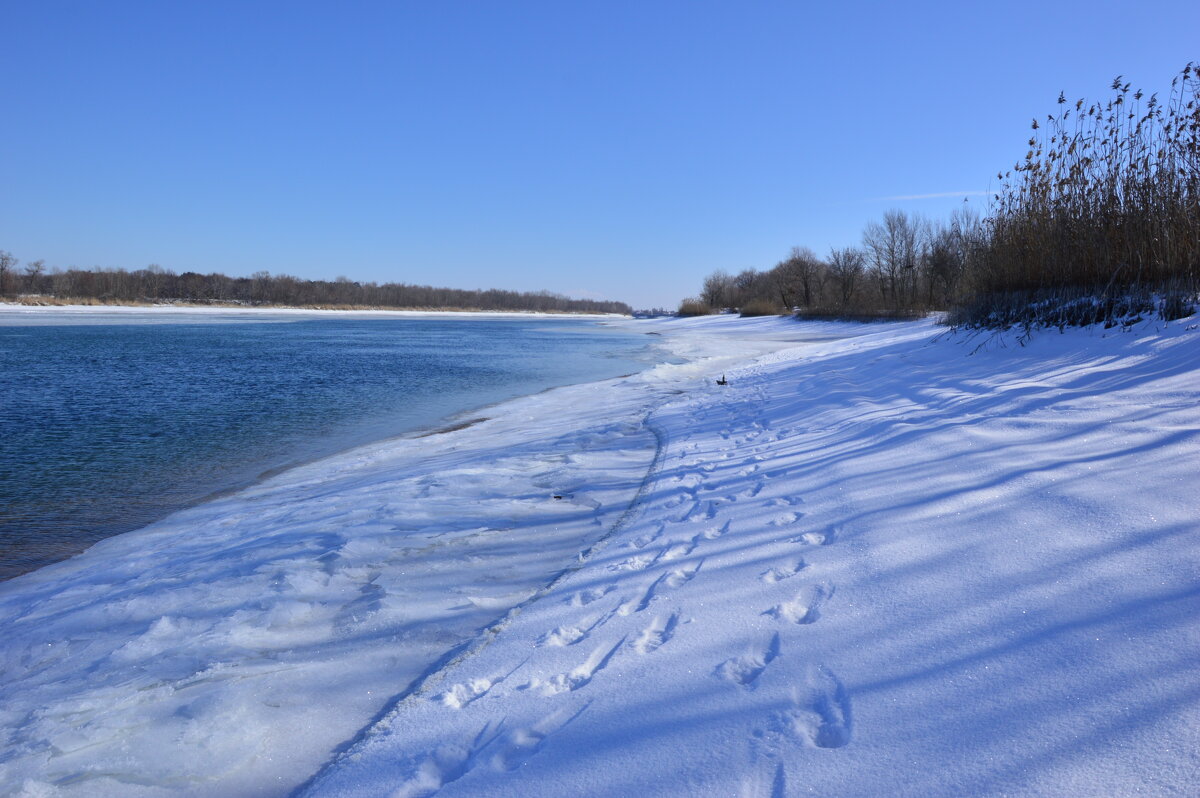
(309, 556)
(245, 477)
(83, 311)
(872, 544)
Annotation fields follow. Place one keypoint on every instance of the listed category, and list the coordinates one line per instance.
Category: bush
(856, 313)
(694, 307)
(762, 307)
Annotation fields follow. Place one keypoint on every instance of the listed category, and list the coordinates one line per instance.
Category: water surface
(106, 427)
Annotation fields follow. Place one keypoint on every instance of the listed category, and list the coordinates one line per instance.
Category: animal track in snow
(804, 607)
(578, 677)
(786, 519)
(658, 632)
(820, 712)
(745, 670)
(785, 571)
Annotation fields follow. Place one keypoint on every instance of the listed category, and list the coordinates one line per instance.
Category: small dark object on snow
(557, 496)
(722, 381)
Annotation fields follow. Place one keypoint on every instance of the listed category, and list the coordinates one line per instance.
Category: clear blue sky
(608, 149)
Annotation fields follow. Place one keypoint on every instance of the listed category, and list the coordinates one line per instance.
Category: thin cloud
(939, 195)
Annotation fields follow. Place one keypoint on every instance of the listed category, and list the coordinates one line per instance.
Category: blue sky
(610, 149)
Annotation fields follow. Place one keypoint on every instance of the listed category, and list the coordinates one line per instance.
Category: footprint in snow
(521, 745)
(714, 532)
(460, 695)
(446, 764)
(820, 712)
(570, 635)
(585, 597)
(658, 632)
(746, 669)
(643, 599)
(638, 563)
(641, 541)
(577, 677)
(786, 519)
(678, 550)
(562, 636)
(804, 607)
(681, 576)
(817, 538)
(781, 572)
(767, 783)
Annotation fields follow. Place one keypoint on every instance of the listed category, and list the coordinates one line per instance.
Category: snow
(884, 560)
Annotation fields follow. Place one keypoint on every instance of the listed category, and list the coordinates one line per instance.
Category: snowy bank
(893, 563)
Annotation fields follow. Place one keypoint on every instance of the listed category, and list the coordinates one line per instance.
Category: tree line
(1100, 222)
(154, 284)
(905, 264)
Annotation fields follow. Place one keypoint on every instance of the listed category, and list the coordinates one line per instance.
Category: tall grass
(694, 307)
(762, 307)
(1101, 220)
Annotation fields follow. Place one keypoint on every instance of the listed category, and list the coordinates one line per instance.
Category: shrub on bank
(694, 307)
(860, 314)
(762, 307)
(1101, 220)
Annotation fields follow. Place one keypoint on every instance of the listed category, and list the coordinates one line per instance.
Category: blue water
(107, 427)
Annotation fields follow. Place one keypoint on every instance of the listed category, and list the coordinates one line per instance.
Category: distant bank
(33, 283)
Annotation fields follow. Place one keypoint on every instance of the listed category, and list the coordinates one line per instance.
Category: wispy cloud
(938, 195)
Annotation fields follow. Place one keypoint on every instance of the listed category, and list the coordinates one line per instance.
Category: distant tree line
(1099, 223)
(154, 284)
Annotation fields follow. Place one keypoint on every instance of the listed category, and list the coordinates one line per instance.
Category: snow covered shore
(887, 563)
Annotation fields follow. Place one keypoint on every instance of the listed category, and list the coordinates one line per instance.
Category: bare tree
(7, 264)
(893, 250)
(800, 277)
(718, 290)
(846, 267)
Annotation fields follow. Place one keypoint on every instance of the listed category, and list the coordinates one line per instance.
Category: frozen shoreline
(874, 565)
